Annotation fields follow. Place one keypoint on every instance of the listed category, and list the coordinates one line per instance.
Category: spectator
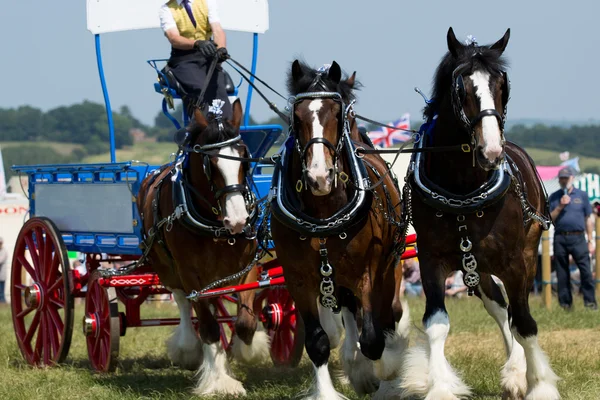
(455, 287)
(411, 278)
(571, 212)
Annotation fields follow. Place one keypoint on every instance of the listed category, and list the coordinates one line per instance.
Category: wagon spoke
(45, 332)
(56, 320)
(30, 270)
(21, 287)
(57, 303)
(25, 312)
(48, 259)
(37, 352)
(32, 328)
(53, 268)
(54, 336)
(41, 247)
(97, 341)
(56, 284)
(103, 350)
(34, 254)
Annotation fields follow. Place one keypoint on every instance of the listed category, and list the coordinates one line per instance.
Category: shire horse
(208, 243)
(481, 210)
(336, 238)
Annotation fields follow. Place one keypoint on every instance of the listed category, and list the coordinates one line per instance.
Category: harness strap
(272, 105)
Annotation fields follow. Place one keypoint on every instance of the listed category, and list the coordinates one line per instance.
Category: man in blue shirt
(571, 212)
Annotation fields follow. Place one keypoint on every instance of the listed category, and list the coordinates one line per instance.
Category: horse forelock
(475, 58)
(306, 83)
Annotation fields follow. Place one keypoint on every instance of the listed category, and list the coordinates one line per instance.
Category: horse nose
(485, 162)
(492, 152)
(320, 181)
(234, 228)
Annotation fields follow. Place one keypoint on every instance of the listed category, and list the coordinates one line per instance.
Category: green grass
(64, 149)
(154, 153)
(474, 348)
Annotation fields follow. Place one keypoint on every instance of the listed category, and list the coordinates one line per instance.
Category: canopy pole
(111, 127)
(253, 69)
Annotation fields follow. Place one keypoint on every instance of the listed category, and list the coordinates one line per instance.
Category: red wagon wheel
(41, 300)
(102, 325)
(284, 326)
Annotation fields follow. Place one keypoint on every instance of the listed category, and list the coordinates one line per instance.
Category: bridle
(335, 149)
(458, 94)
(243, 188)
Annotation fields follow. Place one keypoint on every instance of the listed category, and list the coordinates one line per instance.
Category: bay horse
(336, 238)
(206, 207)
(481, 209)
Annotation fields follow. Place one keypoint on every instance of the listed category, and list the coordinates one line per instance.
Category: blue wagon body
(94, 205)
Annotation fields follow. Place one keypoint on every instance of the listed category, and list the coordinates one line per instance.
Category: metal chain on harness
(406, 217)
(197, 295)
(529, 213)
(327, 286)
(469, 263)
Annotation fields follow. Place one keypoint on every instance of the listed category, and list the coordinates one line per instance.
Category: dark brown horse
(335, 238)
(193, 249)
(481, 211)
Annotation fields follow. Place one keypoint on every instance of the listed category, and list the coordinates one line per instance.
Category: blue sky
(48, 56)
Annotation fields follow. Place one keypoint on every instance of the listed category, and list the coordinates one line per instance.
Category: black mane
(308, 77)
(480, 58)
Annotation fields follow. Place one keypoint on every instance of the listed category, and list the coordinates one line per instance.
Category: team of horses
(338, 220)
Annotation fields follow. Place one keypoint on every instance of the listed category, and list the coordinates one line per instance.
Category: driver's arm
(219, 34)
(178, 41)
(215, 23)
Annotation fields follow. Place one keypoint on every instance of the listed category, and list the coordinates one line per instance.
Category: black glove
(222, 54)
(205, 47)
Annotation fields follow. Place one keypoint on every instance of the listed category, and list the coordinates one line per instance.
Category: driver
(188, 25)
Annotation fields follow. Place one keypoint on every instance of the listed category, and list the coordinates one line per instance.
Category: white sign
(125, 15)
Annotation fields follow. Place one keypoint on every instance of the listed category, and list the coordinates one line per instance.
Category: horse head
(478, 85)
(318, 121)
(217, 137)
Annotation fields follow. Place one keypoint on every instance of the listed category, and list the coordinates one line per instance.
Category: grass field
(64, 149)
(474, 347)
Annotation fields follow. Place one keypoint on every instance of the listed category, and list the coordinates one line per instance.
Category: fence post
(546, 270)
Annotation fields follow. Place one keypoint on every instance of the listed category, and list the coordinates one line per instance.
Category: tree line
(86, 124)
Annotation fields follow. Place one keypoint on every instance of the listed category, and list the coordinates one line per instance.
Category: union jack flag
(386, 137)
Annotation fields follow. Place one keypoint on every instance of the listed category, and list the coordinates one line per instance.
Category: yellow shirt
(200, 10)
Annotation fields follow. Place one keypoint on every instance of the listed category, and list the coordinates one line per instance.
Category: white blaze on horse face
(492, 138)
(317, 168)
(236, 215)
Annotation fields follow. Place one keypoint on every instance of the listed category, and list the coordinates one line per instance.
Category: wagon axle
(90, 325)
(33, 296)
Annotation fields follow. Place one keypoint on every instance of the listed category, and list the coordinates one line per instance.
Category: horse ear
(297, 72)
(200, 120)
(501, 44)
(350, 81)
(453, 44)
(236, 118)
(335, 72)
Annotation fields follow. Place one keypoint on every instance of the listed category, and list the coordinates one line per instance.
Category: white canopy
(124, 15)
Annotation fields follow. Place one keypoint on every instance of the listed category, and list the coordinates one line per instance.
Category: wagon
(91, 209)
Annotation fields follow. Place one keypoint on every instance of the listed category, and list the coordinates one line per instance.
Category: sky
(48, 55)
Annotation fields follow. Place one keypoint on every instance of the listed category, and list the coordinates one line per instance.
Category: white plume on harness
(471, 40)
(324, 68)
(216, 110)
